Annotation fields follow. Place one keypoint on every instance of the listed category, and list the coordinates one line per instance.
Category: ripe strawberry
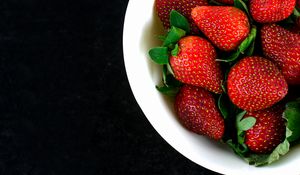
(164, 7)
(283, 47)
(231, 2)
(269, 11)
(225, 27)
(197, 111)
(255, 83)
(196, 64)
(268, 131)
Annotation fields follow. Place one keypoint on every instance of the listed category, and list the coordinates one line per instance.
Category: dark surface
(66, 105)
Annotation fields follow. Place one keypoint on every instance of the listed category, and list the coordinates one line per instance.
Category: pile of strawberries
(232, 66)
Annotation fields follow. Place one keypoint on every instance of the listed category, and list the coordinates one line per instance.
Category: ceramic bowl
(140, 30)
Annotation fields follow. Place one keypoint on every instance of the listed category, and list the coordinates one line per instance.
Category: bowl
(141, 28)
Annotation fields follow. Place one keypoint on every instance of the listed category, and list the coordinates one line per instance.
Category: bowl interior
(140, 30)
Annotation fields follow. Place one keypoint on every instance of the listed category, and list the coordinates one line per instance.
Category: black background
(66, 105)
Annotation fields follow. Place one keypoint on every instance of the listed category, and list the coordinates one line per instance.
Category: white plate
(140, 28)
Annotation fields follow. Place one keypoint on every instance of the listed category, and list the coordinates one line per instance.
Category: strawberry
(255, 83)
(269, 11)
(226, 27)
(197, 111)
(164, 7)
(231, 2)
(196, 64)
(268, 131)
(283, 47)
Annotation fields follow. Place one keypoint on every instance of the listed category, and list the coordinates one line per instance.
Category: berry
(164, 7)
(255, 83)
(268, 131)
(196, 64)
(270, 11)
(283, 47)
(197, 111)
(226, 27)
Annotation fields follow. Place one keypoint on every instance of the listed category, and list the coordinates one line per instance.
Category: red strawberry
(226, 27)
(255, 83)
(164, 7)
(283, 47)
(196, 64)
(197, 111)
(268, 131)
(268, 11)
(231, 2)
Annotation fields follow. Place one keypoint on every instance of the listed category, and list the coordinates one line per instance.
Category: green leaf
(246, 123)
(223, 106)
(240, 116)
(249, 40)
(168, 78)
(179, 21)
(231, 58)
(223, 88)
(224, 81)
(213, 2)
(164, 74)
(161, 37)
(292, 115)
(240, 132)
(169, 91)
(170, 85)
(159, 55)
(173, 36)
(175, 51)
(242, 47)
(250, 50)
(240, 150)
(170, 69)
(241, 5)
(296, 13)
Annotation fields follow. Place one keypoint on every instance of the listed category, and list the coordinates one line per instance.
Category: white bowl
(139, 35)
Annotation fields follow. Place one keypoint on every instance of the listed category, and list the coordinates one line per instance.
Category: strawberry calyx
(170, 86)
(178, 20)
(246, 48)
(173, 36)
(242, 125)
(213, 2)
(180, 27)
(160, 55)
(292, 115)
